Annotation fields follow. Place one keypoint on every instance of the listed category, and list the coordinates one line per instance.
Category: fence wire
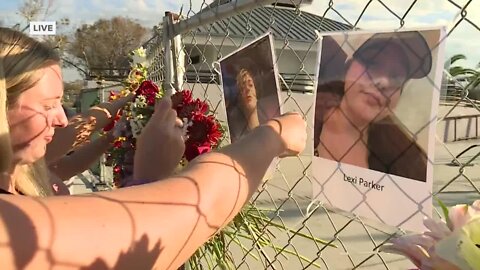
(220, 27)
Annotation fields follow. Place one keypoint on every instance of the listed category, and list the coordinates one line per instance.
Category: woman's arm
(153, 226)
(81, 159)
(82, 126)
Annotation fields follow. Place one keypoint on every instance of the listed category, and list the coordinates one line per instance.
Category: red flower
(180, 98)
(117, 169)
(204, 133)
(185, 105)
(148, 89)
(112, 96)
(196, 106)
(112, 123)
(204, 129)
(194, 150)
(117, 144)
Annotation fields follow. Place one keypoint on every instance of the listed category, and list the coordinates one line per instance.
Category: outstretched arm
(81, 159)
(157, 225)
(81, 127)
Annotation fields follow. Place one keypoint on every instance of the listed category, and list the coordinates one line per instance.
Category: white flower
(445, 245)
(140, 101)
(139, 57)
(140, 52)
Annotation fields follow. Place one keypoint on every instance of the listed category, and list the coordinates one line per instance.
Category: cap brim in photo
(413, 45)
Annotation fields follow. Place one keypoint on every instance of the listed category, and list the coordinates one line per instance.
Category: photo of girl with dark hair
(357, 95)
(374, 126)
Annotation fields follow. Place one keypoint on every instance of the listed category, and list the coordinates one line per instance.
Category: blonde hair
(241, 77)
(20, 59)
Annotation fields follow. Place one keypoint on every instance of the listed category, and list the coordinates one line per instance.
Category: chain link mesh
(288, 191)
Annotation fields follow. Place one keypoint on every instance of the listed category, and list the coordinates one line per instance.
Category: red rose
(149, 90)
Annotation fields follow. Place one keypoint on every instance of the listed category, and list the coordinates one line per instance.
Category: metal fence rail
(223, 26)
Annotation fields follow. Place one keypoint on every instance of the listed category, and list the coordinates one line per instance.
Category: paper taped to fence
(376, 104)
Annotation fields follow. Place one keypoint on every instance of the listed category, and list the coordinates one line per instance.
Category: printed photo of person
(250, 85)
(359, 88)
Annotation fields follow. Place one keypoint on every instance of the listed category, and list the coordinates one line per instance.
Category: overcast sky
(465, 38)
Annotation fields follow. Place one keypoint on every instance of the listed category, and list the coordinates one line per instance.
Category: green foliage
(469, 76)
(251, 226)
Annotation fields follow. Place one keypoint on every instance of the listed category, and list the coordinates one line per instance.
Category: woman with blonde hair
(19, 73)
(153, 226)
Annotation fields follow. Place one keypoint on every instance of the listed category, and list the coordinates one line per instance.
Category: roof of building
(284, 23)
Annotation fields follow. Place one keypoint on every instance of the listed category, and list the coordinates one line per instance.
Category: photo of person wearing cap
(357, 95)
(250, 87)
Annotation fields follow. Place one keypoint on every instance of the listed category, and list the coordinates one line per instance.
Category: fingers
(163, 105)
(170, 116)
(291, 113)
(294, 133)
(180, 131)
(178, 122)
(164, 113)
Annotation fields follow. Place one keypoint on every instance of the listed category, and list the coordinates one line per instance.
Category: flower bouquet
(452, 243)
(203, 133)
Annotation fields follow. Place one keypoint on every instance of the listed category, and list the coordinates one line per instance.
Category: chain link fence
(183, 54)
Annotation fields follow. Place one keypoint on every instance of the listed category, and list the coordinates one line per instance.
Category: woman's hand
(161, 145)
(293, 133)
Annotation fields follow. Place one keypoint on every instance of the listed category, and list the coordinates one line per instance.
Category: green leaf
(443, 207)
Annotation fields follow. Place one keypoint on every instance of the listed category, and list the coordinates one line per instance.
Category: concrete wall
(467, 123)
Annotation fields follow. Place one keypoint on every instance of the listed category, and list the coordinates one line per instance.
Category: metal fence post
(174, 57)
(168, 83)
(178, 61)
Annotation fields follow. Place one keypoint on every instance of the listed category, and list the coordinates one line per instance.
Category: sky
(370, 14)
